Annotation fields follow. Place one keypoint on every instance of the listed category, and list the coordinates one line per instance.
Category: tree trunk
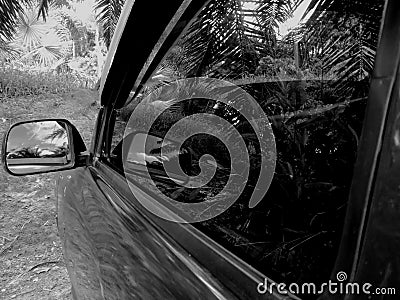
(73, 49)
(98, 53)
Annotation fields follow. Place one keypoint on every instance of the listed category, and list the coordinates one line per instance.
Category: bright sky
(291, 23)
(34, 134)
(295, 20)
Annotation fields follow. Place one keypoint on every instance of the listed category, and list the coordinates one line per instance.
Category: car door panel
(78, 248)
(237, 276)
(117, 254)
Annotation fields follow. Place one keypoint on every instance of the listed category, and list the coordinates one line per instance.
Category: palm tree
(47, 36)
(8, 20)
(343, 35)
(108, 12)
(230, 37)
(42, 43)
(11, 9)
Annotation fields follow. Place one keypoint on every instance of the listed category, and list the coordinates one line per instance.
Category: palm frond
(43, 6)
(10, 10)
(217, 43)
(108, 12)
(229, 37)
(74, 26)
(30, 29)
(8, 51)
(44, 55)
(59, 133)
(44, 43)
(343, 35)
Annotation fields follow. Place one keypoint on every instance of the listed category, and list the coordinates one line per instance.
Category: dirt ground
(31, 262)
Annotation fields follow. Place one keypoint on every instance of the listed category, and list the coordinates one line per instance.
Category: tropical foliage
(8, 20)
(64, 42)
(230, 37)
(344, 36)
(41, 43)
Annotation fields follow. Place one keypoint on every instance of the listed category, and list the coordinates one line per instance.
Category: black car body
(114, 248)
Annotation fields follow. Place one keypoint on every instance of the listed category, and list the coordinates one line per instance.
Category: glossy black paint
(237, 276)
(113, 252)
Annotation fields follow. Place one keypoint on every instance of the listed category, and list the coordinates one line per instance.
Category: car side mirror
(41, 146)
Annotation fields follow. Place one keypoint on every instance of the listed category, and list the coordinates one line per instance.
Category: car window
(310, 78)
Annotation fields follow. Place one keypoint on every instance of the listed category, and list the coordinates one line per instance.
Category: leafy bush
(15, 81)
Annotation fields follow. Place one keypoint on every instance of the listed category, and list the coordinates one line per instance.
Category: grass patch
(17, 82)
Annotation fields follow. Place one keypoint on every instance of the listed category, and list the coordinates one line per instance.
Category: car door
(113, 251)
(131, 253)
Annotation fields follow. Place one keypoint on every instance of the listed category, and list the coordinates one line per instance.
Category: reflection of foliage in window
(315, 103)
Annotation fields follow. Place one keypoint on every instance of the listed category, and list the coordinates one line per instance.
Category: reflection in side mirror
(38, 147)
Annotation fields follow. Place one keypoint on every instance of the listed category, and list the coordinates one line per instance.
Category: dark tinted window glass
(310, 77)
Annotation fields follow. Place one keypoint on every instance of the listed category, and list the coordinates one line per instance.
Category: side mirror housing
(42, 146)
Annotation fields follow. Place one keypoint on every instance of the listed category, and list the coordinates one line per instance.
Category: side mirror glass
(38, 147)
